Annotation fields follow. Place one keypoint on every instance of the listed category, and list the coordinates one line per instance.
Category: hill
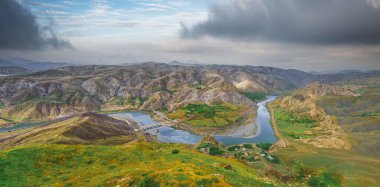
(13, 70)
(333, 126)
(87, 128)
(346, 110)
(154, 86)
(138, 164)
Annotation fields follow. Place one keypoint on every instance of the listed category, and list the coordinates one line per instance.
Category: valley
(209, 125)
(189, 93)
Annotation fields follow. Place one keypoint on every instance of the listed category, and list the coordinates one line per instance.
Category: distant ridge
(31, 65)
(13, 70)
(178, 63)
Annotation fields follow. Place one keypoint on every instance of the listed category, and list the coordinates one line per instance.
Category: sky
(323, 35)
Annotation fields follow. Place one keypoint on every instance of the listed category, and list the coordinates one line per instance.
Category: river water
(257, 131)
(261, 129)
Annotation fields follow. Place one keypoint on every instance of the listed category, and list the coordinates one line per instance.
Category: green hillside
(138, 164)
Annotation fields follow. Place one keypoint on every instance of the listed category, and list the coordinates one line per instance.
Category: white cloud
(104, 34)
(68, 3)
(45, 5)
(161, 6)
(374, 3)
(116, 50)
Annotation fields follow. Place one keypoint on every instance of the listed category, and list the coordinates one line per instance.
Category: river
(258, 131)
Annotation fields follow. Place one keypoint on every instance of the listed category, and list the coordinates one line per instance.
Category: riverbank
(273, 122)
(178, 132)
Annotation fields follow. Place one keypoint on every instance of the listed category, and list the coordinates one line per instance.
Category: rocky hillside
(69, 90)
(302, 106)
(87, 128)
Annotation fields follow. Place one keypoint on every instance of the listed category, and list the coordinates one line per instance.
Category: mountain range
(30, 65)
(73, 89)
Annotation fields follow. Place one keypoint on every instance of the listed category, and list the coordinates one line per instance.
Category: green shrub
(234, 148)
(325, 179)
(164, 109)
(166, 90)
(148, 182)
(215, 151)
(199, 86)
(264, 146)
(255, 96)
(273, 159)
(207, 182)
(182, 177)
(120, 101)
(247, 146)
(201, 109)
(203, 145)
(294, 136)
(252, 159)
(136, 100)
(175, 151)
(239, 155)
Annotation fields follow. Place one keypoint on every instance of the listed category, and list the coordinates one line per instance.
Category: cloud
(19, 29)
(46, 5)
(155, 5)
(305, 57)
(294, 21)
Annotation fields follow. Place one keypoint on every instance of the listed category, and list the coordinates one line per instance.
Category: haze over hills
(13, 70)
(31, 65)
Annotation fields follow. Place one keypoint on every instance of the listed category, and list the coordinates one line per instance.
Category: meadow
(204, 115)
(137, 164)
(292, 126)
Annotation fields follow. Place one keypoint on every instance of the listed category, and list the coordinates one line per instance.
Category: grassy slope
(203, 115)
(355, 169)
(82, 129)
(134, 165)
(359, 117)
(291, 126)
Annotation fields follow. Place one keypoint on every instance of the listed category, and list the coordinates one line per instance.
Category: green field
(271, 165)
(138, 164)
(203, 115)
(291, 125)
(255, 96)
(351, 168)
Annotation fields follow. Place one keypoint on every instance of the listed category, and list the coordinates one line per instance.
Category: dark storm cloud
(19, 30)
(298, 21)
